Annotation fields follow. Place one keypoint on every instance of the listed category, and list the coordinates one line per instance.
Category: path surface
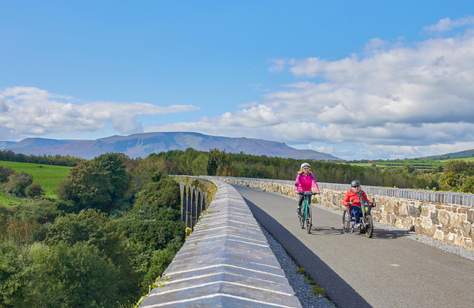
(386, 271)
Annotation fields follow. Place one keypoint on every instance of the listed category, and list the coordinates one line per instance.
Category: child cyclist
(305, 182)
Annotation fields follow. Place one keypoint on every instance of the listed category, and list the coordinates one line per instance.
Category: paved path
(386, 271)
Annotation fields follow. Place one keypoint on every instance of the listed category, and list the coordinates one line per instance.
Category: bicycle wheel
(301, 220)
(369, 229)
(309, 220)
(346, 221)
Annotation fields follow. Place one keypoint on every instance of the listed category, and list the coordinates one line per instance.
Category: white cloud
(27, 111)
(401, 98)
(277, 65)
(448, 24)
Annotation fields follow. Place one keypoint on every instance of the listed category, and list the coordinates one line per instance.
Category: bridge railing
(445, 197)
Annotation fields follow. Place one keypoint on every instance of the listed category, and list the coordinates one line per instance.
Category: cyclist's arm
(297, 183)
(364, 196)
(346, 201)
(314, 185)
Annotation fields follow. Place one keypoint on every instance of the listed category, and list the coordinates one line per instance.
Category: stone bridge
(227, 262)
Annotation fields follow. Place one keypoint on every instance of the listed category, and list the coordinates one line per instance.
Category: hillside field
(48, 176)
(420, 164)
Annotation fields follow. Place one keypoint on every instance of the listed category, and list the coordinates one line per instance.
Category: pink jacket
(306, 183)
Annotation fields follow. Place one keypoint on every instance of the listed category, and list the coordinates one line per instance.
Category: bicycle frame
(306, 205)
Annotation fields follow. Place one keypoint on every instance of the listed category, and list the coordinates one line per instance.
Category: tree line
(58, 160)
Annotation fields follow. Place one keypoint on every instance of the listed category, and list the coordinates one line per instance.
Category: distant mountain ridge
(141, 145)
(461, 154)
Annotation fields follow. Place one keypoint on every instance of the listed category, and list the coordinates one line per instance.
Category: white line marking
(191, 240)
(219, 282)
(215, 274)
(272, 266)
(249, 243)
(222, 265)
(244, 223)
(217, 295)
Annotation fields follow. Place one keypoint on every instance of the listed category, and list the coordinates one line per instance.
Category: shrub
(17, 184)
(5, 173)
(71, 276)
(99, 183)
(34, 191)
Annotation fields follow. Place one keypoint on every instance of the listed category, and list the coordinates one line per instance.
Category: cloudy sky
(355, 80)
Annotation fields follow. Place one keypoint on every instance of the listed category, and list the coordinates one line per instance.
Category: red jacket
(353, 197)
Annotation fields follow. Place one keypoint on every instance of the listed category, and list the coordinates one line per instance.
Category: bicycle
(366, 221)
(304, 215)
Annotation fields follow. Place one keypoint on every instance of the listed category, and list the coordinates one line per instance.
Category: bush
(26, 223)
(11, 274)
(71, 276)
(5, 173)
(100, 183)
(34, 191)
(164, 193)
(17, 184)
(160, 261)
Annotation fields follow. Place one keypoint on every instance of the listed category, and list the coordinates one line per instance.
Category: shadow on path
(385, 234)
(340, 292)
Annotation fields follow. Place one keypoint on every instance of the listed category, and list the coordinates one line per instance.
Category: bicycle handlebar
(309, 193)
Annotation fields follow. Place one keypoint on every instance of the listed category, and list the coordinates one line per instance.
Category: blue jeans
(356, 212)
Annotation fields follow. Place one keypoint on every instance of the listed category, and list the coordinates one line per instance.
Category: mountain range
(461, 154)
(141, 145)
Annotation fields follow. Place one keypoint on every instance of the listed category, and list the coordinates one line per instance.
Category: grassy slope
(49, 177)
(426, 164)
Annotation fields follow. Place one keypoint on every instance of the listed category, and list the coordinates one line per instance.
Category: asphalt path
(388, 270)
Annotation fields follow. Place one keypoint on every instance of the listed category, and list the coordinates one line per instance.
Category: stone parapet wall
(449, 223)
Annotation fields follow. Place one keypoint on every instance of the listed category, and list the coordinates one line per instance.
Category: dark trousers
(300, 200)
(356, 212)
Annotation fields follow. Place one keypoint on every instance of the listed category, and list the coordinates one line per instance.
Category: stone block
(403, 209)
(434, 217)
(466, 228)
(468, 243)
(426, 210)
(470, 215)
(458, 240)
(450, 237)
(414, 210)
(443, 217)
(424, 226)
(457, 220)
(438, 235)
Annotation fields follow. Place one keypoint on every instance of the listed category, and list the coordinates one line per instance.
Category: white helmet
(303, 165)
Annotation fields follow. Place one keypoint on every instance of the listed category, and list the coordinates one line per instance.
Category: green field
(420, 164)
(48, 176)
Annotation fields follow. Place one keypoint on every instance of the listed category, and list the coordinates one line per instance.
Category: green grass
(7, 200)
(48, 176)
(419, 164)
(317, 290)
(468, 159)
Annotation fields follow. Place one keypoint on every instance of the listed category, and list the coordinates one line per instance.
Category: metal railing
(445, 197)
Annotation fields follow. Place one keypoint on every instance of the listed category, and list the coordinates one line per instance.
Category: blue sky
(204, 62)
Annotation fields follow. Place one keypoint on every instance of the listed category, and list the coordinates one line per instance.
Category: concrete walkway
(386, 271)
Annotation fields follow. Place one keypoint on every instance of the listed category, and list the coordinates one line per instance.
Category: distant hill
(462, 154)
(141, 145)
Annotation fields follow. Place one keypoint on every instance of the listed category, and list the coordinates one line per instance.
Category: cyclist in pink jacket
(305, 182)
